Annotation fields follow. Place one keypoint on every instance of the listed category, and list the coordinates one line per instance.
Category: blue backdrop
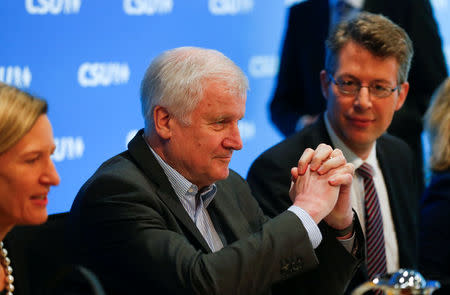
(87, 59)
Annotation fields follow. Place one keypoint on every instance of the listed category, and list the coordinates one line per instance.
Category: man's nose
(233, 140)
(362, 99)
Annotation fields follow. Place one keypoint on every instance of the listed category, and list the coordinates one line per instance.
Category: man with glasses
(365, 83)
(297, 100)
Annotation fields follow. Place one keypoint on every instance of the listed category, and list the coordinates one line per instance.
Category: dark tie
(376, 254)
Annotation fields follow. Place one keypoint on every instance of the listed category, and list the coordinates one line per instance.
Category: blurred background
(87, 59)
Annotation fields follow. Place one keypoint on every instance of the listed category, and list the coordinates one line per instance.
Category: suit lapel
(147, 162)
(233, 224)
(389, 177)
(319, 133)
(392, 174)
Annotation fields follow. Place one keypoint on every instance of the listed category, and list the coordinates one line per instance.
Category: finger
(294, 174)
(336, 153)
(341, 179)
(292, 192)
(347, 168)
(332, 163)
(340, 175)
(304, 160)
(321, 154)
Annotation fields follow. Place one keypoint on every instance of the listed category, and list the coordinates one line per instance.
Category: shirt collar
(349, 155)
(183, 187)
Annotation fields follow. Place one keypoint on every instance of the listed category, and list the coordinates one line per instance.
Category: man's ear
(324, 83)
(161, 118)
(402, 95)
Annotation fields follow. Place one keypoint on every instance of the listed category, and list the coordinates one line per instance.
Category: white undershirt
(357, 197)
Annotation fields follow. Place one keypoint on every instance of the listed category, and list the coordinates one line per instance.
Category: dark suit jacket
(434, 231)
(269, 177)
(303, 57)
(39, 260)
(130, 228)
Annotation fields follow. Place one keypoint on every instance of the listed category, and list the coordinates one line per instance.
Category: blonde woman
(26, 170)
(435, 212)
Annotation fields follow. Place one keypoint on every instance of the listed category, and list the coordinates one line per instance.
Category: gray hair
(377, 34)
(176, 80)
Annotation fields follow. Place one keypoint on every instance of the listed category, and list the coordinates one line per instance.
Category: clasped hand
(320, 185)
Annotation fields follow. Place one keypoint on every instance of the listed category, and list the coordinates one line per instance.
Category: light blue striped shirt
(187, 191)
(194, 205)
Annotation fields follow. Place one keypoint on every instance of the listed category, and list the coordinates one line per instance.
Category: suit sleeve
(270, 186)
(128, 235)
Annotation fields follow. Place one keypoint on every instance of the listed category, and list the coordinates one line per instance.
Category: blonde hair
(18, 113)
(437, 124)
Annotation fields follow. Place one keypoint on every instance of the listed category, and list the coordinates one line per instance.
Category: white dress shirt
(357, 196)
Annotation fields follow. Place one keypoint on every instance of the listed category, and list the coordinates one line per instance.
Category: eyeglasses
(352, 87)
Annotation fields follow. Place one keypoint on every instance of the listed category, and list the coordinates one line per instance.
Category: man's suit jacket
(269, 175)
(303, 57)
(128, 226)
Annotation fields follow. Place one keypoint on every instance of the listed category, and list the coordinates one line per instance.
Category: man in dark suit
(364, 83)
(167, 216)
(297, 99)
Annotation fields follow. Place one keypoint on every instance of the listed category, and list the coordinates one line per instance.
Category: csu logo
(222, 7)
(68, 148)
(53, 6)
(16, 75)
(103, 74)
(148, 7)
(263, 66)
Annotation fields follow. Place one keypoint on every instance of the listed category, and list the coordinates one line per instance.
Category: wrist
(340, 221)
(346, 232)
(310, 210)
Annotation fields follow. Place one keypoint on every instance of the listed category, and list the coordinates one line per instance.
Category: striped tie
(376, 256)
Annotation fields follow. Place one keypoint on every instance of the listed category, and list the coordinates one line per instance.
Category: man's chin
(223, 174)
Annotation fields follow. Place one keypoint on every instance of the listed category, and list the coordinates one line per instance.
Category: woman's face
(26, 175)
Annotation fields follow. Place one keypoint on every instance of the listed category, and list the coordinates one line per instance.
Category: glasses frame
(339, 86)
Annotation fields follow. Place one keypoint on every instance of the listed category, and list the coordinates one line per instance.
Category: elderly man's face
(202, 151)
(361, 118)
